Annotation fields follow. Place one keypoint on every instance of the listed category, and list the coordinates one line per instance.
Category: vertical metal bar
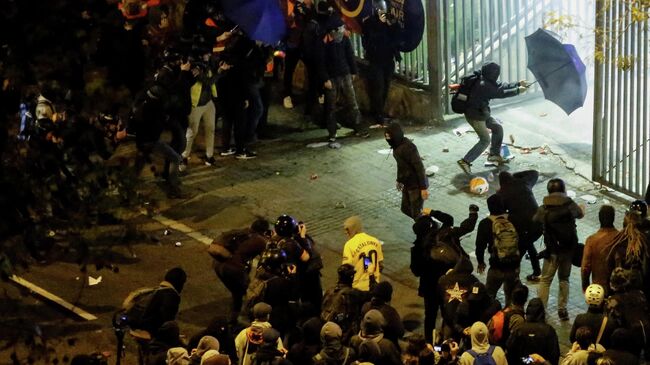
(445, 32)
(482, 18)
(611, 46)
(518, 40)
(509, 36)
(637, 120)
(601, 94)
(455, 48)
(434, 64)
(463, 31)
(646, 107)
(499, 24)
(472, 45)
(621, 91)
(625, 115)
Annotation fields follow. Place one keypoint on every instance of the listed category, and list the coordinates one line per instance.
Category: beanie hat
(270, 335)
(205, 344)
(331, 331)
(213, 357)
(176, 277)
(177, 356)
(383, 291)
(372, 323)
(261, 310)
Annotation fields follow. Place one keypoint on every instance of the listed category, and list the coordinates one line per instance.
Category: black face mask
(390, 142)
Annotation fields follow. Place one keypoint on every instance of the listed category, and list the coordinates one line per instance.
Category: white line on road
(176, 225)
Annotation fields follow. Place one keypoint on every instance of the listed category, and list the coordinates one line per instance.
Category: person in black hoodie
(411, 178)
(453, 289)
(310, 344)
(333, 351)
(619, 350)
(534, 336)
(516, 190)
(558, 215)
(381, 296)
(595, 316)
(164, 303)
(479, 307)
(268, 352)
(479, 117)
(381, 53)
(371, 337)
(167, 336)
(503, 270)
(337, 67)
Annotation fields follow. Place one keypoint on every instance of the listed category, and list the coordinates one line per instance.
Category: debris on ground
(431, 170)
(317, 144)
(167, 232)
(339, 205)
(313, 177)
(445, 150)
(178, 244)
(571, 194)
(590, 199)
(94, 281)
(384, 151)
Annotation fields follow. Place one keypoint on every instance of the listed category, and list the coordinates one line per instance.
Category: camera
(527, 360)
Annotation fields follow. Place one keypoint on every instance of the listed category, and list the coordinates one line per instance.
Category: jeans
(254, 111)
(290, 62)
(481, 128)
(342, 89)
(378, 78)
(412, 203)
(205, 113)
(560, 263)
(165, 151)
(497, 277)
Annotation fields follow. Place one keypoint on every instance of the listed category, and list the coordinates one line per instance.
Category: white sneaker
(288, 104)
(321, 99)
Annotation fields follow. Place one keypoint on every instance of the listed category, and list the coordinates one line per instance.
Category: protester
(165, 301)
(364, 253)
(342, 303)
(595, 268)
(558, 215)
(534, 336)
(382, 293)
(332, 350)
(499, 236)
(251, 339)
(453, 289)
(479, 117)
(206, 344)
(507, 321)
(479, 307)
(516, 190)
(480, 346)
(371, 335)
(595, 318)
(579, 353)
(411, 178)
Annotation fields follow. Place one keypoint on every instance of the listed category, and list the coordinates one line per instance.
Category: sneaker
(563, 314)
(183, 166)
(331, 143)
(497, 158)
(365, 134)
(228, 152)
(533, 278)
(210, 161)
(246, 155)
(465, 166)
(287, 103)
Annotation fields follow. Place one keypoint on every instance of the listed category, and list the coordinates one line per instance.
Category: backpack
(321, 358)
(336, 305)
(485, 358)
(444, 252)
(506, 240)
(255, 293)
(136, 304)
(559, 225)
(499, 325)
(254, 339)
(460, 99)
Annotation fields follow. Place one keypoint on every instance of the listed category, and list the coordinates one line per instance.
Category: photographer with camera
(380, 46)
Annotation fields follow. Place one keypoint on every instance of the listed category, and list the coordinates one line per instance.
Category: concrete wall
(404, 102)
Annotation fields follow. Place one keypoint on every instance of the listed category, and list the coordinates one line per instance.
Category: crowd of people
(280, 314)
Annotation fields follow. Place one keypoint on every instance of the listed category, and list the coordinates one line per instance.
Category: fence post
(434, 52)
(597, 145)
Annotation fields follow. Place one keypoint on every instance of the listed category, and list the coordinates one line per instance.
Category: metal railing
(621, 157)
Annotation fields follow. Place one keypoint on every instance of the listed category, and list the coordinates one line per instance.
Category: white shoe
(288, 104)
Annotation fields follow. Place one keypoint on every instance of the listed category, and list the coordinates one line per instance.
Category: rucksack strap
(602, 329)
(347, 354)
(473, 353)
(490, 350)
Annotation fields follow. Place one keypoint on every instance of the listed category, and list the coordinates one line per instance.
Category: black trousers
(378, 77)
(431, 307)
(292, 56)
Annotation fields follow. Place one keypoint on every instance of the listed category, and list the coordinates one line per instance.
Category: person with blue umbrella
(478, 114)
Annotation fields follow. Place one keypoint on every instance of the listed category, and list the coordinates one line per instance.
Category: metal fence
(473, 32)
(413, 68)
(621, 157)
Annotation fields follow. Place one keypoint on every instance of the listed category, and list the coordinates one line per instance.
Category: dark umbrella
(262, 20)
(558, 69)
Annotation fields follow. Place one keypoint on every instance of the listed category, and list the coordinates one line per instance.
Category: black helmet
(346, 273)
(556, 186)
(273, 259)
(639, 207)
(286, 226)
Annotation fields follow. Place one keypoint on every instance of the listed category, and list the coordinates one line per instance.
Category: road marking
(53, 298)
(176, 225)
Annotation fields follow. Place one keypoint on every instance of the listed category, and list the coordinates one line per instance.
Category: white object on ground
(461, 130)
(178, 244)
(385, 151)
(94, 281)
(432, 170)
(317, 145)
(571, 194)
(590, 199)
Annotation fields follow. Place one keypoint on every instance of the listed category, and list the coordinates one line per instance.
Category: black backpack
(336, 305)
(559, 225)
(460, 99)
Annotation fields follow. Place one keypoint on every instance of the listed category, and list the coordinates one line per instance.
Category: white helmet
(594, 295)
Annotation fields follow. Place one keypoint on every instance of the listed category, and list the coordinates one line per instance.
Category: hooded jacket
(534, 336)
(410, 170)
(558, 215)
(302, 352)
(163, 306)
(479, 307)
(331, 346)
(487, 88)
(371, 330)
(453, 289)
(166, 337)
(394, 328)
(480, 345)
(516, 190)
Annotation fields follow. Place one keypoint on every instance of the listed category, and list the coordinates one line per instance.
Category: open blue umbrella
(558, 69)
(262, 20)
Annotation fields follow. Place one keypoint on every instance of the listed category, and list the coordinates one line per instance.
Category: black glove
(473, 208)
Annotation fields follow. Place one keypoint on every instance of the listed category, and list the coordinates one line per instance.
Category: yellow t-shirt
(364, 252)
